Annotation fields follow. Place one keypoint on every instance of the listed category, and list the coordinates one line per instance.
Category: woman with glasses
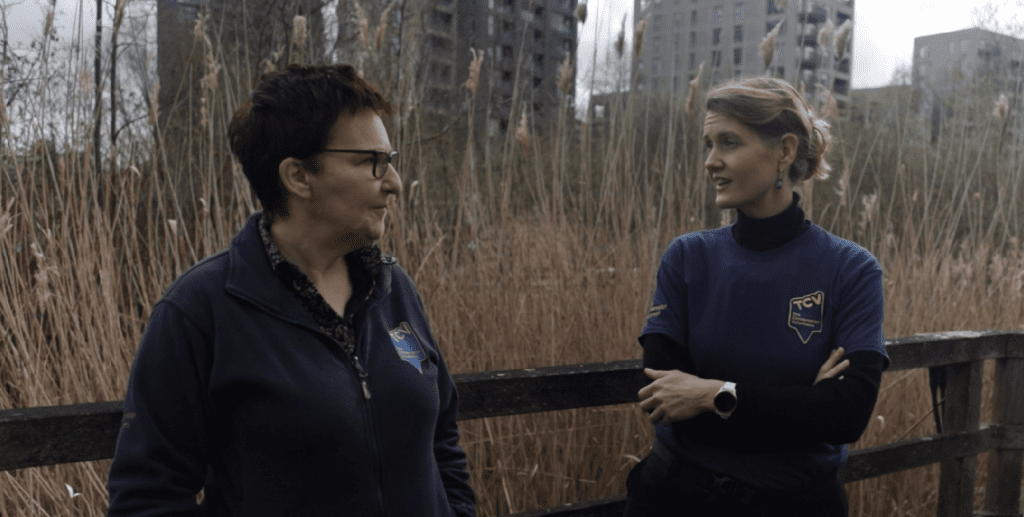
(295, 372)
(764, 340)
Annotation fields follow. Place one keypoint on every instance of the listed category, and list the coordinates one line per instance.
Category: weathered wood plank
(58, 434)
(613, 506)
(64, 434)
(884, 459)
(1002, 494)
(514, 392)
(961, 410)
(926, 350)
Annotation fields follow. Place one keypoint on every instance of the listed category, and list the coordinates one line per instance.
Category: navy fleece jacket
(236, 391)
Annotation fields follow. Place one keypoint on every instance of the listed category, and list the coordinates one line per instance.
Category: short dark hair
(290, 115)
(771, 108)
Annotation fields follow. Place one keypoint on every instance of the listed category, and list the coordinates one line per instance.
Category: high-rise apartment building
(950, 62)
(726, 35)
(524, 44)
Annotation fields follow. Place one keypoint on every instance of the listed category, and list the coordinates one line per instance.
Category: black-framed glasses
(381, 160)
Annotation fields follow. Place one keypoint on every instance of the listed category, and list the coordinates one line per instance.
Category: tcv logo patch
(806, 313)
(407, 346)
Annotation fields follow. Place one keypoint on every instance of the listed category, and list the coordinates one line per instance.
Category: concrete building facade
(726, 35)
(952, 62)
(524, 45)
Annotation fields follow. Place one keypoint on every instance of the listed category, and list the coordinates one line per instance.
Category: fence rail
(40, 436)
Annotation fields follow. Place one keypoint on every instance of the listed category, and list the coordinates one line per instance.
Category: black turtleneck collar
(772, 232)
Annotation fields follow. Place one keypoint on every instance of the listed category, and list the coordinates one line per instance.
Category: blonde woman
(764, 340)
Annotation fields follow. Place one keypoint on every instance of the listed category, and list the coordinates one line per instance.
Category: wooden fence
(41, 436)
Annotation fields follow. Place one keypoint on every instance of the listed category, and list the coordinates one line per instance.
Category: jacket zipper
(368, 406)
(363, 376)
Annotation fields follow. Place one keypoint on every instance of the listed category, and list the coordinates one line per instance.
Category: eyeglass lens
(381, 162)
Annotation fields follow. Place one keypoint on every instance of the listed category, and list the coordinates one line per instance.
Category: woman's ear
(788, 144)
(294, 177)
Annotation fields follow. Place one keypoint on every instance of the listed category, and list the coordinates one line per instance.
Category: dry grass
(525, 255)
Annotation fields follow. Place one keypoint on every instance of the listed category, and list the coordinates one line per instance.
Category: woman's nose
(711, 163)
(392, 181)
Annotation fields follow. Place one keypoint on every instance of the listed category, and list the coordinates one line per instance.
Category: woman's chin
(724, 202)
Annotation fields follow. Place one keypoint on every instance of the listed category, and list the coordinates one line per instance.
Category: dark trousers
(663, 485)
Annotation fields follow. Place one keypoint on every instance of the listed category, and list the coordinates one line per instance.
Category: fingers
(648, 390)
(833, 359)
(648, 406)
(833, 366)
(655, 374)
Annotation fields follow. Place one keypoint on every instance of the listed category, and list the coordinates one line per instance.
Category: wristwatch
(725, 400)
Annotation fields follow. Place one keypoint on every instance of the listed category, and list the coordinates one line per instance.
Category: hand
(832, 366)
(675, 395)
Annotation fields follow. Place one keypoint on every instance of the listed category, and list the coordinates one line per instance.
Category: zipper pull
(362, 376)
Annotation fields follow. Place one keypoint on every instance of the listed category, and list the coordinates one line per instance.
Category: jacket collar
(251, 277)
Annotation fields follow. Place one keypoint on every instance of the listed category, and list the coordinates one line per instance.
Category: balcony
(813, 14)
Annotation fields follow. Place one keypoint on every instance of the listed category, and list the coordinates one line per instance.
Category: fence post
(961, 411)
(1002, 495)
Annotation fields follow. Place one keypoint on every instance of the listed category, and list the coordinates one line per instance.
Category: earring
(778, 182)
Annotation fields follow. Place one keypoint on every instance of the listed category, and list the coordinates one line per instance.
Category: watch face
(725, 401)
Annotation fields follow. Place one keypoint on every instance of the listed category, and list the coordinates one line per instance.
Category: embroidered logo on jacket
(407, 346)
(806, 313)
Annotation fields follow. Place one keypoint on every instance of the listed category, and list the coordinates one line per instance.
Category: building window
(737, 56)
(737, 33)
(842, 86)
(739, 11)
(678, 20)
(439, 44)
(440, 72)
(716, 58)
(717, 14)
(693, 17)
(716, 36)
(693, 61)
(773, 7)
(656, 44)
(441, 20)
(679, 39)
(657, 22)
(656, 66)
(771, 25)
(693, 38)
